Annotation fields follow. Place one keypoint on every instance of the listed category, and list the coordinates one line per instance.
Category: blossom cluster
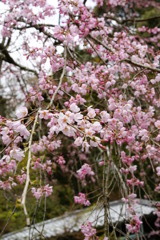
(42, 191)
(88, 230)
(81, 199)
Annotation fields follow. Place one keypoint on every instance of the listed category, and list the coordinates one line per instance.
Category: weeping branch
(25, 190)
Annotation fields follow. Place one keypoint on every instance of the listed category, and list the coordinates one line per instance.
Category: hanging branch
(25, 190)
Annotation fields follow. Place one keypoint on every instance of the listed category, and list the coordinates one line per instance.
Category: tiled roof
(71, 222)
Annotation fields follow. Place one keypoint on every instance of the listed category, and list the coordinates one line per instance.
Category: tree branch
(140, 20)
(37, 26)
(101, 43)
(131, 20)
(24, 194)
(141, 65)
(125, 60)
(60, 81)
(5, 56)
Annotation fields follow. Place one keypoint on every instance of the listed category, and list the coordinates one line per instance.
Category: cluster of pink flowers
(61, 160)
(45, 143)
(84, 171)
(21, 178)
(88, 230)
(9, 131)
(46, 166)
(134, 225)
(8, 184)
(81, 199)
(42, 191)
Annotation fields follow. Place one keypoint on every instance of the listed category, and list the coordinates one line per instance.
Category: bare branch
(140, 20)
(131, 20)
(24, 194)
(37, 26)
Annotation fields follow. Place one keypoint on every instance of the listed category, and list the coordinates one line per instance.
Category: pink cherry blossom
(91, 112)
(81, 199)
(78, 141)
(23, 131)
(61, 160)
(158, 171)
(84, 171)
(74, 108)
(37, 193)
(134, 225)
(78, 117)
(44, 114)
(157, 124)
(47, 190)
(88, 230)
(21, 178)
(17, 154)
(105, 116)
(22, 112)
(42, 191)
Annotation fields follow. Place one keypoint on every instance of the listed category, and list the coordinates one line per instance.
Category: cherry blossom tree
(96, 94)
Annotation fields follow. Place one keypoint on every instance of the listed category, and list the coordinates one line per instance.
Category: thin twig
(119, 21)
(9, 218)
(101, 43)
(96, 51)
(140, 20)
